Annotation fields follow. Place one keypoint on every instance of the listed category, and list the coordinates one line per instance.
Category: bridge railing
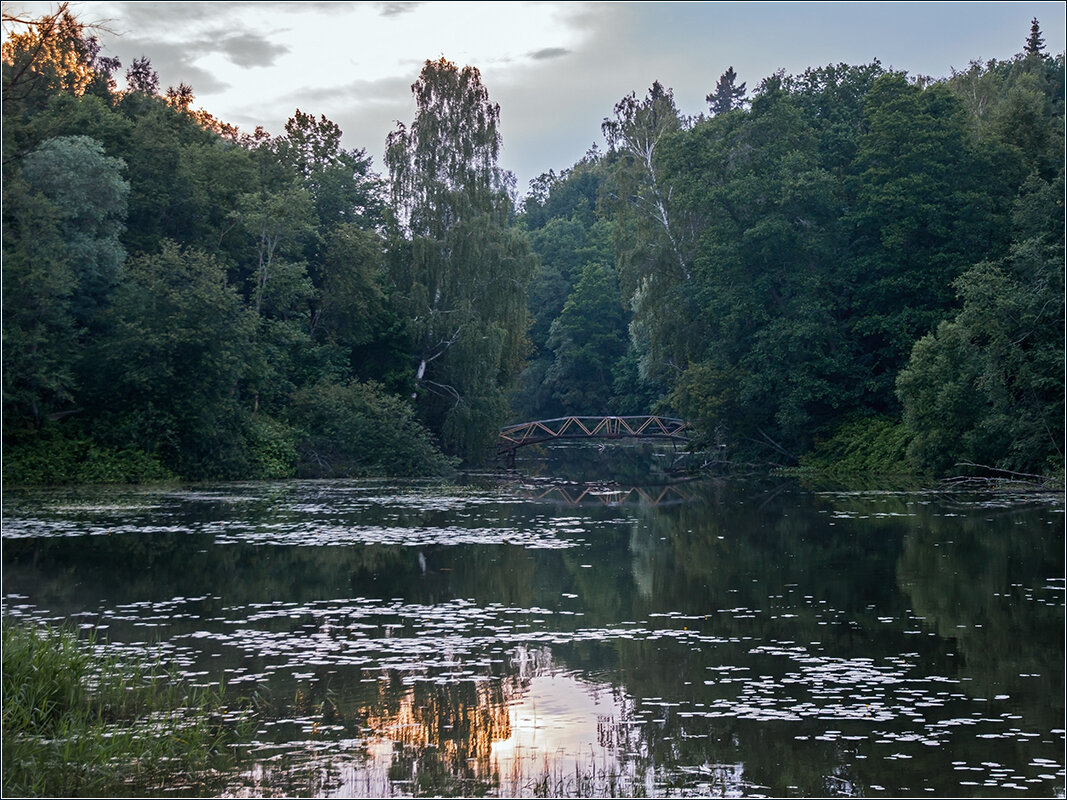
(649, 426)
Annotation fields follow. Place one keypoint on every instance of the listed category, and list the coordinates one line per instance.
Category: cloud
(546, 53)
(172, 19)
(181, 39)
(175, 63)
(395, 90)
(395, 9)
(245, 49)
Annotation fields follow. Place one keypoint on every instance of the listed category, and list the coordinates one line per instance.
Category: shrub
(861, 445)
(54, 456)
(272, 448)
(359, 429)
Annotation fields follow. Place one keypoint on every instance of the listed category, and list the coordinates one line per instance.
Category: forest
(849, 269)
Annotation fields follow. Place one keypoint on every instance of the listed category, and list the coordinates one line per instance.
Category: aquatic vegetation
(75, 724)
(403, 639)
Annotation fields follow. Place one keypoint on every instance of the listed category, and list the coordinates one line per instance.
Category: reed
(77, 724)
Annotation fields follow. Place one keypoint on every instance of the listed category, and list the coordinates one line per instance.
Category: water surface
(530, 638)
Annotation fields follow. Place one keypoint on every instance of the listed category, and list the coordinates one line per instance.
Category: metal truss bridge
(650, 426)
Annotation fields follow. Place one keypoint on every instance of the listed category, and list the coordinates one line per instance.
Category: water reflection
(415, 639)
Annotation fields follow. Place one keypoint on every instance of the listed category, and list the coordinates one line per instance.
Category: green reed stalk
(78, 724)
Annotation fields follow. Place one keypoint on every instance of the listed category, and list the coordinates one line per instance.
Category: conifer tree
(140, 77)
(726, 96)
(1034, 42)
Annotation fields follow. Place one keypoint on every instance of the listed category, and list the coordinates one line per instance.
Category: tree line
(849, 266)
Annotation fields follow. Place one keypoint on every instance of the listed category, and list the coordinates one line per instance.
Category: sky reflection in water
(433, 640)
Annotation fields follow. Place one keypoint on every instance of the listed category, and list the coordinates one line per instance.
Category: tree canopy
(849, 260)
(459, 269)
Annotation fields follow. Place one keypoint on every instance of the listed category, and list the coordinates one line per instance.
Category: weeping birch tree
(655, 239)
(460, 273)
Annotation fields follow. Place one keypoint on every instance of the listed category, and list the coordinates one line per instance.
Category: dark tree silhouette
(726, 96)
(140, 77)
(1034, 42)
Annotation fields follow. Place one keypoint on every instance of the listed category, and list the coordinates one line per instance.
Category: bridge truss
(650, 426)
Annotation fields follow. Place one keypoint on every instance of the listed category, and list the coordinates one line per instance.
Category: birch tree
(655, 241)
(460, 272)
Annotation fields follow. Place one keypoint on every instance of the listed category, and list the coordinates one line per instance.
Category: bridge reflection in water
(648, 426)
(575, 494)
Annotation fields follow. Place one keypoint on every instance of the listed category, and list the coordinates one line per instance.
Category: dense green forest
(850, 267)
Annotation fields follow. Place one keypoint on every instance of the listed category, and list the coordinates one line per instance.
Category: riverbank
(78, 724)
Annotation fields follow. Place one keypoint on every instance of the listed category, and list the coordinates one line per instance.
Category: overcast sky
(556, 69)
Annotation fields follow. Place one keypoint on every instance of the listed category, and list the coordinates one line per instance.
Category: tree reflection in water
(469, 641)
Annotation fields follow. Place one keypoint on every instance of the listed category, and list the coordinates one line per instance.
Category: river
(528, 638)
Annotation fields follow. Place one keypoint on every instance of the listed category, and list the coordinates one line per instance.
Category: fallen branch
(1042, 478)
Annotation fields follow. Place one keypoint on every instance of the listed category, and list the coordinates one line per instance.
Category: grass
(75, 724)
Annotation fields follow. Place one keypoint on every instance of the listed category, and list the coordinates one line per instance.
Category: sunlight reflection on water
(420, 640)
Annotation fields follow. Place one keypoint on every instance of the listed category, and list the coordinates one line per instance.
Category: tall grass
(75, 724)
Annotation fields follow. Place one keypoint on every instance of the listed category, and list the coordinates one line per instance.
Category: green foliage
(987, 386)
(568, 234)
(764, 355)
(861, 446)
(340, 182)
(1012, 102)
(572, 195)
(460, 272)
(778, 262)
(351, 305)
(727, 95)
(929, 203)
(39, 330)
(76, 725)
(832, 101)
(62, 453)
(89, 195)
(169, 365)
(588, 338)
(178, 177)
(43, 673)
(275, 223)
(558, 244)
(654, 236)
(631, 393)
(358, 429)
(829, 222)
(272, 448)
(848, 243)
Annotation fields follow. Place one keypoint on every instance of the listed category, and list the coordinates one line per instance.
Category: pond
(527, 638)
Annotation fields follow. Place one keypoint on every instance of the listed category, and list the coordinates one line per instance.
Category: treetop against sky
(556, 69)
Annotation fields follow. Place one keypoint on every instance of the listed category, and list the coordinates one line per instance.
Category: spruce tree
(726, 96)
(1034, 42)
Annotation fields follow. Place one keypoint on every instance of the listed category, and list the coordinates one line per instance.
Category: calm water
(709, 639)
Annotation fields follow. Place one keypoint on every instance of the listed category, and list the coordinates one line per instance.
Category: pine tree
(140, 77)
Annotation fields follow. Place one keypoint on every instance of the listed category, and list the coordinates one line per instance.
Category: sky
(556, 69)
